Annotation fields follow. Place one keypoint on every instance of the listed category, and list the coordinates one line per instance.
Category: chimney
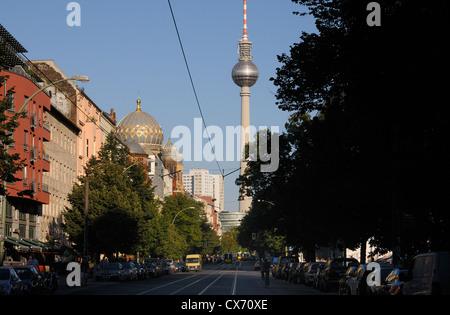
(113, 115)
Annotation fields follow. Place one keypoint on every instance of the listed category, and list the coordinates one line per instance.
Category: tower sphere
(245, 73)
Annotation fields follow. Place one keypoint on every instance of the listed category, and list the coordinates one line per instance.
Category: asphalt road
(237, 279)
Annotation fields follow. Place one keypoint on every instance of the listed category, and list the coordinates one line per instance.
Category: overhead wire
(192, 84)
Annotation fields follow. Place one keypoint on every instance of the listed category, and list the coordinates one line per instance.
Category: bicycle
(266, 279)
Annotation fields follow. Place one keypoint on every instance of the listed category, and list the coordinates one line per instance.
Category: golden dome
(141, 128)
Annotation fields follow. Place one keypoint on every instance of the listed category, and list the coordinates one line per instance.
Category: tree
(187, 222)
(114, 204)
(359, 150)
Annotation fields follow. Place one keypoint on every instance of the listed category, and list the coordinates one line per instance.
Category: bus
(228, 258)
(194, 262)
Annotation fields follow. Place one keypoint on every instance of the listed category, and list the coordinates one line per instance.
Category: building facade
(210, 212)
(200, 182)
(22, 206)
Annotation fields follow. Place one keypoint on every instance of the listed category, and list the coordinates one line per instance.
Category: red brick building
(24, 200)
(29, 137)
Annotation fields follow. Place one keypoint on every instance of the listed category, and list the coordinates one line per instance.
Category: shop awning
(20, 246)
(31, 247)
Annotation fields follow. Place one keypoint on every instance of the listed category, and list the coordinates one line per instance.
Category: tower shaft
(245, 74)
(245, 202)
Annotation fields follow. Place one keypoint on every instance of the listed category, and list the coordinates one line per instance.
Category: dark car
(280, 264)
(357, 282)
(394, 283)
(343, 283)
(110, 271)
(315, 276)
(31, 279)
(10, 283)
(310, 272)
(180, 266)
(142, 271)
(385, 269)
(333, 271)
(299, 271)
(131, 272)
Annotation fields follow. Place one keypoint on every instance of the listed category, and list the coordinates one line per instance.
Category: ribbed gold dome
(141, 128)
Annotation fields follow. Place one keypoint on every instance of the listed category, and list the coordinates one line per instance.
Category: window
(25, 175)
(25, 140)
(87, 147)
(11, 97)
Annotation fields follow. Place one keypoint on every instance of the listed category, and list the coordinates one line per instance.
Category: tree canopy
(365, 143)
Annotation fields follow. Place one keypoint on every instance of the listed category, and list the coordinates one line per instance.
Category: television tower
(245, 74)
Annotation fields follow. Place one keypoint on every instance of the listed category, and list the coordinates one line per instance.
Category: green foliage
(359, 154)
(124, 215)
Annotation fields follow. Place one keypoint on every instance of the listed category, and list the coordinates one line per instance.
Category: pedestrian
(33, 262)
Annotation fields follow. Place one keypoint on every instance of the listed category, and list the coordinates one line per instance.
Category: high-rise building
(199, 182)
(245, 74)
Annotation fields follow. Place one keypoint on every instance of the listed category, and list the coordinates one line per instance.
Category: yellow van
(194, 262)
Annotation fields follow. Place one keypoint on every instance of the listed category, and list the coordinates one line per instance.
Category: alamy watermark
(74, 17)
(374, 17)
(225, 145)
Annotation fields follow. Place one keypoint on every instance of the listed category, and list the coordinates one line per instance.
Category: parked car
(310, 272)
(333, 271)
(131, 272)
(273, 265)
(385, 269)
(180, 266)
(168, 267)
(315, 280)
(31, 279)
(293, 271)
(142, 271)
(394, 283)
(152, 271)
(10, 283)
(357, 282)
(110, 271)
(429, 274)
(300, 272)
(343, 282)
(280, 264)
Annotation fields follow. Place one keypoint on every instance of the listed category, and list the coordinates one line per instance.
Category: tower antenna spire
(245, 35)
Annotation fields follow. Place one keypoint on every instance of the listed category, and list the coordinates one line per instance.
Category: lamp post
(81, 78)
(173, 221)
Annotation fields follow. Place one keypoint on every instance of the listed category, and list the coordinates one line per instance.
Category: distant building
(210, 212)
(200, 182)
(229, 220)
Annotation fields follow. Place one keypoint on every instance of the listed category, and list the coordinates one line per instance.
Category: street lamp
(81, 78)
(179, 213)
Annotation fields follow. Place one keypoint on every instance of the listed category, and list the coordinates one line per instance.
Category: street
(236, 279)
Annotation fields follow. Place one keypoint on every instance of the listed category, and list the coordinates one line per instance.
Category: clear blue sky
(131, 46)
